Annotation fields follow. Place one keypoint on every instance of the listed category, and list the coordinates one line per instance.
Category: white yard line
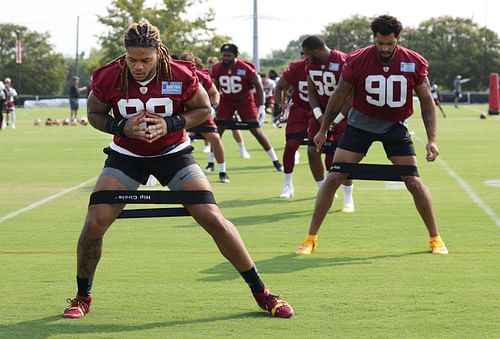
(45, 200)
(467, 188)
(472, 194)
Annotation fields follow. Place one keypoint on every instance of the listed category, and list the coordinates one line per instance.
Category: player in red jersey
(153, 99)
(211, 62)
(236, 80)
(208, 129)
(294, 78)
(381, 78)
(323, 72)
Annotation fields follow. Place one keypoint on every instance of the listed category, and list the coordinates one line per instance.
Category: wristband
(115, 127)
(338, 118)
(175, 123)
(317, 113)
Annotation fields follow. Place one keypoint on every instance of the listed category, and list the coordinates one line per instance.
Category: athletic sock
(319, 183)
(288, 178)
(253, 280)
(272, 154)
(211, 157)
(347, 194)
(222, 167)
(84, 286)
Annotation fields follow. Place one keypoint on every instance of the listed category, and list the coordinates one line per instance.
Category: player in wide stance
(153, 99)
(382, 78)
(236, 80)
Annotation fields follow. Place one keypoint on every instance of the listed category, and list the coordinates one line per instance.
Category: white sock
(347, 194)
(242, 146)
(13, 118)
(222, 167)
(272, 154)
(319, 183)
(211, 157)
(288, 178)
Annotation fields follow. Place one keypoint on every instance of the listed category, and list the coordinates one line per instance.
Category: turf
(372, 276)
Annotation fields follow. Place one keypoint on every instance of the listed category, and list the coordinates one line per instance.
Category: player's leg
(291, 147)
(400, 151)
(99, 218)
(228, 240)
(218, 149)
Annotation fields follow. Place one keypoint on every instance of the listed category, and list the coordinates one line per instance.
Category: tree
(177, 33)
(350, 34)
(42, 71)
(456, 46)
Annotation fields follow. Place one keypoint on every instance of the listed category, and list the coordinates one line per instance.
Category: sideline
(45, 200)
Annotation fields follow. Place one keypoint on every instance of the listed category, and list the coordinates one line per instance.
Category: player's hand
(135, 127)
(156, 126)
(319, 140)
(432, 151)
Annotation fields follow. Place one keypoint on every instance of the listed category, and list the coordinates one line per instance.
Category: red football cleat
(273, 304)
(79, 306)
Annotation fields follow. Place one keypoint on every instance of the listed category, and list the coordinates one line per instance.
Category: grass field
(372, 276)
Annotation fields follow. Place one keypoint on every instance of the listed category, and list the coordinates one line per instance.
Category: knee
(96, 225)
(414, 184)
(216, 224)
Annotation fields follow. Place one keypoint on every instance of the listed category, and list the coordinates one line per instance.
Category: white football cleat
(244, 154)
(287, 192)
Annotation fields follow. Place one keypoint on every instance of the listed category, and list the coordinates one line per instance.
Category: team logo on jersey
(143, 90)
(386, 68)
(407, 67)
(241, 72)
(171, 87)
(333, 66)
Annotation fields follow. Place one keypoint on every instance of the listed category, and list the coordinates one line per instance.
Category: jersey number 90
(383, 90)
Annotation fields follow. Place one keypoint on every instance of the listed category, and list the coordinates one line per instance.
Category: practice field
(371, 277)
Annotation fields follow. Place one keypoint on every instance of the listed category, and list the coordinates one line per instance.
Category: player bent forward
(153, 100)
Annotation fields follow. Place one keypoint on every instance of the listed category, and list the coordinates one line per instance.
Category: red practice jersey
(161, 96)
(205, 79)
(234, 82)
(326, 76)
(296, 76)
(384, 91)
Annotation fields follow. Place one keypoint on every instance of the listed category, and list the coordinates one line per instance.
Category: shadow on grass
(290, 263)
(55, 325)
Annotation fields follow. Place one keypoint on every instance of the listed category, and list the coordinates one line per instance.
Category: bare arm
(312, 93)
(428, 109)
(337, 102)
(214, 95)
(280, 91)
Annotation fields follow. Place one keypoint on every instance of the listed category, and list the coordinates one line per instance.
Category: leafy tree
(177, 33)
(42, 71)
(456, 46)
(350, 34)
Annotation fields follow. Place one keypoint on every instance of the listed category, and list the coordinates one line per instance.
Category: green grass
(370, 278)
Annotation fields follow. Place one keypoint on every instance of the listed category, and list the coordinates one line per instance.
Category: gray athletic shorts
(172, 170)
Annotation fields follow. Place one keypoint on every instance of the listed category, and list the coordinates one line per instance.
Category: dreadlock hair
(385, 25)
(143, 34)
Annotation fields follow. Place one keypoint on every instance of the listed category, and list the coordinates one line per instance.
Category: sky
(280, 21)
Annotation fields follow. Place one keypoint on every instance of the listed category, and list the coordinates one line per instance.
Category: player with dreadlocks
(153, 99)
